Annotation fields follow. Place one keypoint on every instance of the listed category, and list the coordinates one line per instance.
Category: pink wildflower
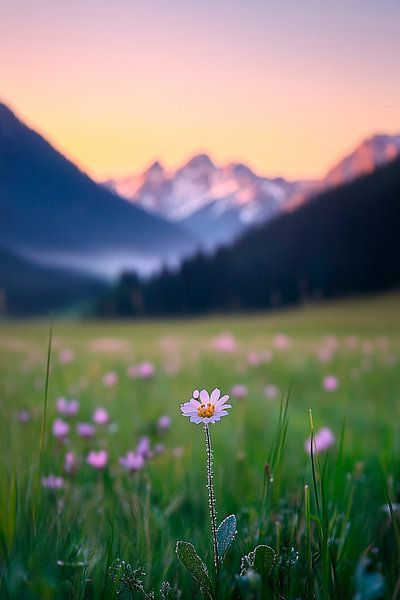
(85, 430)
(110, 379)
(239, 390)
(97, 460)
(70, 463)
(52, 482)
(143, 447)
(225, 343)
(159, 448)
(281, 341)
(330, 383)
(271, 391)
(101, 416)
(258, 358)
(144, 370)
(66, 356)
(60, 429)
(323, 440)
(164, 423)
(24, 416)
(133, 461)
(67, 408)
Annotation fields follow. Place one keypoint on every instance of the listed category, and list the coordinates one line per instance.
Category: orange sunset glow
(116, 85)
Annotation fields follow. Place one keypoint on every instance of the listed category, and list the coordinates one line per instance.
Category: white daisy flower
(205, 407)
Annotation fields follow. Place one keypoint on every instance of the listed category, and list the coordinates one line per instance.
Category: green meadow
(330, 519)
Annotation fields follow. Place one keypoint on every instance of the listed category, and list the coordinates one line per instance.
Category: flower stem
(211, 499)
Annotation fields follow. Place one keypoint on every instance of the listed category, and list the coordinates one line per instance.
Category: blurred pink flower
(97, 460)
(258, 358)
(281, 341)
(85, 430)
(70, 463)
(24, 415)
(325, 355)
(209, 408)
(323, 440)
(271, 391)
(225, 342)
(101, 416)
(159, 448)
(67, 408)
(164, 423)
(143, 447)
(239, 390)
(66, 356)
(110, 379)
(52, 482)
(133, 461)
(144, 370)
(330, 383)
(60, 429)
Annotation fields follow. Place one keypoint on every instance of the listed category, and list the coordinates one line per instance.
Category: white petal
(214, 419)
(191, 413)
(195, 420)
(191, 405)
(222, 400)
(215, 394)
(204, 396)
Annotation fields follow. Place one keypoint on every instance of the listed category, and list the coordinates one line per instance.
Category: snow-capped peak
(199, 183)
(370, 154)
(202, 194)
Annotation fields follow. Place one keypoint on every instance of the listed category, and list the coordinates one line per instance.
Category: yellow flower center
(206, 410)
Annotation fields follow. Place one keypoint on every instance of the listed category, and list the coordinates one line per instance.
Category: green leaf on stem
(189, 558)
(264, 559)
(225, 535)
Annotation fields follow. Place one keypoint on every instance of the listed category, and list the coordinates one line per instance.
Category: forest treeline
(343, 242)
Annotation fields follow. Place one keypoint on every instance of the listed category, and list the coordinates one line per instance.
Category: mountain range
(343, 241)
(218, 204)
(57, 223)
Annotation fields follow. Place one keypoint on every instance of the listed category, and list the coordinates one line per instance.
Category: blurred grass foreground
(121, 474)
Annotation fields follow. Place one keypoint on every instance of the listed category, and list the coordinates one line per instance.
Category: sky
(287, 86)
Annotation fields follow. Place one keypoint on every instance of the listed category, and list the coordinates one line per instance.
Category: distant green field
(61, 543)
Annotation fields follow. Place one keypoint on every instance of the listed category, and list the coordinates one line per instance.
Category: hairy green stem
(211, 498)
